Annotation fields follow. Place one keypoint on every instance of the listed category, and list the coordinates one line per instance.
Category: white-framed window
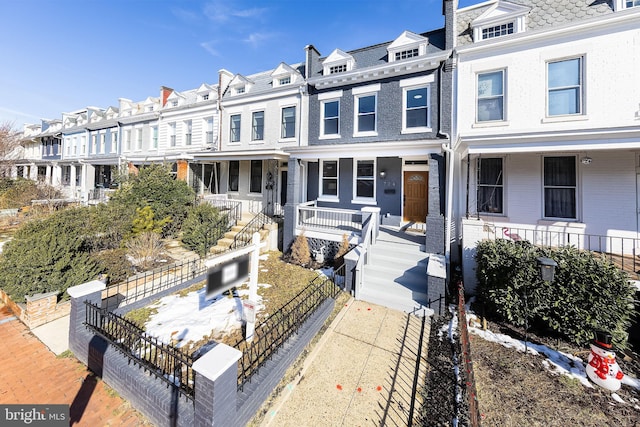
(149, 108)
(330, 120)
(288, 122)
(68, 144)
(240, 90)
(490, 198)
(78, 176)
(103, 143)
(625, 4)
(154, 137)
(127, 139)
(83, 140)
(490, 96)
(364, 180)
(209, 132)
(94, 143)
(255, 179)
(416, 102)
(172, 134)
(174, 103)
(329, 180)
(405, 54)
(66, 175)
(205, 97)
(565, 87)
(340, 68)
(498, 30)
(235, 128)
(114, 141)
(257, 126)
(560, 187)
(366, 111)
(75, 145)
(188, 128)
(138, 139)
(284, 81)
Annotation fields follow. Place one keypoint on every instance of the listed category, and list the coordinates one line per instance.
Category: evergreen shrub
(588, 292)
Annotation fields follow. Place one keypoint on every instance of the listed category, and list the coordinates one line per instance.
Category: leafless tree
(9, 148)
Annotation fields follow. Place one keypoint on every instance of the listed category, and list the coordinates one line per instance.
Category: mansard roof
(541, 14)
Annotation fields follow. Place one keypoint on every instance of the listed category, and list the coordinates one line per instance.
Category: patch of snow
(192, 317)
(556, 361)
(617, 398)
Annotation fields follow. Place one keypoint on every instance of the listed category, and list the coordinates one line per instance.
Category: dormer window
(338, 62)
(407, 45)
(407, 54)
(625, 4)
(205, 97)
(338, 69)
(149, 108)
(284, 75)
(632, 3)
(284, 81)
(174, 103)
(497, 31)
(502, 19)
(240, 90)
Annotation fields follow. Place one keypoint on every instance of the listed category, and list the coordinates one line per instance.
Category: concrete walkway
(361, 372)
(31, 374)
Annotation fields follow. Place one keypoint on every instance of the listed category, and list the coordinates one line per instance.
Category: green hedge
(587, 293)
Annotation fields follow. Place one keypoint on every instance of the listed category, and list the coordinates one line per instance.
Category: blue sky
(62, 55)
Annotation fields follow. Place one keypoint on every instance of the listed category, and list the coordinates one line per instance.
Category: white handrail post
(253, 286)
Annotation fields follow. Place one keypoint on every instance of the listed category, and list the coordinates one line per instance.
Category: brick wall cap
(86, 288)
(216, 361)
(36, 297)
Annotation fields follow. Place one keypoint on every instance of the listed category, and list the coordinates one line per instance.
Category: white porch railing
(310, 216)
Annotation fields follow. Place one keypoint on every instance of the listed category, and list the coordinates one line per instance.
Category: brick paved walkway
(31, 374)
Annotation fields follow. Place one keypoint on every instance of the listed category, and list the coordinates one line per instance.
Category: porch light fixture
(383, 174)
(586, 160)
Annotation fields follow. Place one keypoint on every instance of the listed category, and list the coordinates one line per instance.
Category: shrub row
(587, 293)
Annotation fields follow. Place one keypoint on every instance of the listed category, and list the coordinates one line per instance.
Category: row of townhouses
(518, 119)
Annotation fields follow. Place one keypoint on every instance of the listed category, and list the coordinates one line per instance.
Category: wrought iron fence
(274, 332)
(151, 282)
(165, 361)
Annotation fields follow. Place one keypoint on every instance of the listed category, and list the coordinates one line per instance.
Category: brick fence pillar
(216, 386)
(79, 336)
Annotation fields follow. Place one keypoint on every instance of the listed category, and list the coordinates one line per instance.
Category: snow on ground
(191, 317)
(556, 361)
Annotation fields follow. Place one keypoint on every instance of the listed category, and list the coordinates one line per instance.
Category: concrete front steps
(225, 242)
(395, 276)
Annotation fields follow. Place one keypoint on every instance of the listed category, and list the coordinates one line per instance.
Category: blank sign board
(225, 276)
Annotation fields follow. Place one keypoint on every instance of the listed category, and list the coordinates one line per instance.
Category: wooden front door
(416, 195)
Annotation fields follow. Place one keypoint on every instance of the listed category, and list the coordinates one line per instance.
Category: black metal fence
(621, 251)
(151, 282)
(271, 334)
(166, 362)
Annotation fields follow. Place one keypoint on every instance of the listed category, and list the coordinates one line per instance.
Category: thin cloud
(255, 39)
(221, 11)
(17, 113)
(184, 15)
(209, 47)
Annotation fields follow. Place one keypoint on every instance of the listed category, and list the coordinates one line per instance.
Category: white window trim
(363, 200)
(504, 120)
(583, 90)
(239, 141)
(139, 141)
(264, 128)
(505, 205)
(295, 123)
(621, 5)
(323, 197)
(418, 129)
(360, 92)
(552, 219)
(322, 118)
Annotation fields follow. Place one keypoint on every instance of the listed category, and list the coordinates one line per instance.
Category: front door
(416, 195)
